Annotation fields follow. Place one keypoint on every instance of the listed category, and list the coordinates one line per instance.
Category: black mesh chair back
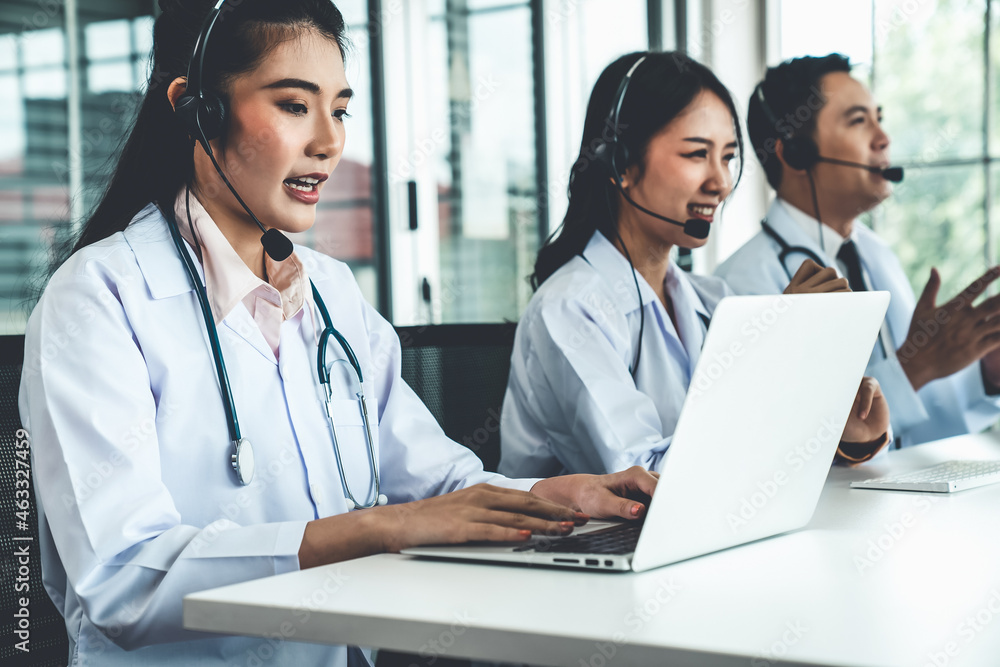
(460, 372)
(20, 562)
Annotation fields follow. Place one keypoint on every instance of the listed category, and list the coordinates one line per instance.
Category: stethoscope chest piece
(243, 462)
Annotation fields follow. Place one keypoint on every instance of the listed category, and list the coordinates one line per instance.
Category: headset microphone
(893, 174)
(204, 113)
(277, 246)
(694, 227)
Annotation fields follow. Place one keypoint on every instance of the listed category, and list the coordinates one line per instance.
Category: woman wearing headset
(141, 497)
(604, 351)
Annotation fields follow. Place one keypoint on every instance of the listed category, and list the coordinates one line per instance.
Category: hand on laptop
(621, 495)
(811, 278)
(479, 513)
(869, 418)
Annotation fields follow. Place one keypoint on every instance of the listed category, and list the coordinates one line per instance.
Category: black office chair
(47, 643)
(460, 372)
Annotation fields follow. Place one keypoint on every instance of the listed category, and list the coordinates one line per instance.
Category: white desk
(878, 578)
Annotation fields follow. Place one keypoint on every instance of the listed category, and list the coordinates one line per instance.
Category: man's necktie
(848, 254)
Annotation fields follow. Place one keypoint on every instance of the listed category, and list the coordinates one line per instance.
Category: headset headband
(197, 63)
(786, 134)
(616, 109)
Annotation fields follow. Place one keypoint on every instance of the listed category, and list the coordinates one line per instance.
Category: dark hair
(791, 91)
(157, 157)
(660, 89)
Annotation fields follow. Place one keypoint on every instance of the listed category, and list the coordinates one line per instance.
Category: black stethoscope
(242, 459)
(633, 369)
(786, 249)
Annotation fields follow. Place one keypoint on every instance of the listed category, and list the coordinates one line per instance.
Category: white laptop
(758, 430)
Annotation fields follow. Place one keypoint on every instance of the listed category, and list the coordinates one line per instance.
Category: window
(930, 73)
(584, 37)
(33, 137)
(494, 173)
(346, 215)
(52, 173)
(484, 164)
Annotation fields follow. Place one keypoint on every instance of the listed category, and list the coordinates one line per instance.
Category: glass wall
(34, 204)
(480, 64)
(476, 144)
(59, 136)
(65, 105)
(582, 38)
(345, 218)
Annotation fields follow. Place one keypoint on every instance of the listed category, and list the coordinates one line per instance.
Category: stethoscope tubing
(324, 379)
(229, 404)
(232, 421)
(787, 249)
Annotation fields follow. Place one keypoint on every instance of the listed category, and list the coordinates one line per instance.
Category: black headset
(607, 151)
(800, 152)
(203, 114)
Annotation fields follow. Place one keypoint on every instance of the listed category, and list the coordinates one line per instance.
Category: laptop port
(575, 561)
(594, 562)
(609, 563)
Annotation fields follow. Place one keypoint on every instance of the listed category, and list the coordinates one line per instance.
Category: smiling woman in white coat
(604, 353)
(180, 433)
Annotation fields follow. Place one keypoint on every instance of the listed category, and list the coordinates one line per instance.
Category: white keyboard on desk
(945, 477)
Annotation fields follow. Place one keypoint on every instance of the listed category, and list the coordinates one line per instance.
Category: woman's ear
(630, 177)
(177, 88)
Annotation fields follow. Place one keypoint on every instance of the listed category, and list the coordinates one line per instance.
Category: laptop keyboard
(616, 540)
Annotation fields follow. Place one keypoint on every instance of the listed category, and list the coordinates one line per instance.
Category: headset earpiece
(608, 153)
(613, 152)
(202, 112)
(800, 152)
(203, 116)
(602, 154)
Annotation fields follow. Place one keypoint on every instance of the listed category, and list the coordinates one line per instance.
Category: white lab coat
(571, 404)
(945, 407)
(138, 504)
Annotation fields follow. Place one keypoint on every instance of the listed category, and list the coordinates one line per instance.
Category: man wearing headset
(817, 132)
